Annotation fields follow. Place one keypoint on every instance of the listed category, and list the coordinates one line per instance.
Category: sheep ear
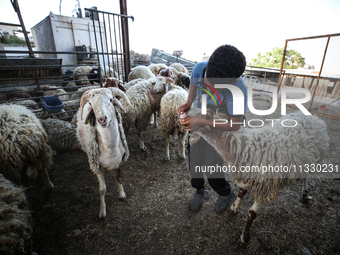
(90, 117)
(84, 98)
(187, 82)
(121, 88)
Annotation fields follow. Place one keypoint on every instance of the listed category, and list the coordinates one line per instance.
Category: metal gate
(112, 40)
(26, 80)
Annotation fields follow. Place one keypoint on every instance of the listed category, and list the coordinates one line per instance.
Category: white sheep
(15, 224)
(106, 72)
(81, 90)
(306, 143)
(145, 102)
(170, 121)
(100, 132)
(155, 68)
(58, 92)
(23, 145)
(84, 75)
(140, 72)
(62, 135)
(180, 68)
(80, 75)
(180, 78)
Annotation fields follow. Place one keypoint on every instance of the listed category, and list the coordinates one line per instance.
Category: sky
(199, 27)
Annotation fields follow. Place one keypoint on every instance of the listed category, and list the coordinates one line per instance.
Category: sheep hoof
(232, 211)
(167, 157)
(244, 238)
(143, 148)
(102, 215)
(305, 199)
(122, 197)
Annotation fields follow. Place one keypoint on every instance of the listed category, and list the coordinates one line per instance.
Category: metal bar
(107, 47)
(50, 52)
(102, 49)
(313, 37)
(317, 82)
(121, 15)
(125, 30)
(122, 64)
(114, 28)
(282, 62)
(113, 66)
(95, 37)
(17, 10)
(10, 24)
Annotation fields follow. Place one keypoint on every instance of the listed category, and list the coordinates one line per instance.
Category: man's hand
(183, 108)
(193, 123)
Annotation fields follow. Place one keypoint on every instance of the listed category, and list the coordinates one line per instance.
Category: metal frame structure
(282, 74)
(113, 38)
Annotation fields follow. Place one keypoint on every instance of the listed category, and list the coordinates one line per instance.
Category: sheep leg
(236, 205)
(102, 191)
(245, 236)
(141, 142)
(166, 145)
(126, 129)
(182, 138)
(121, 193)
(305, 198)
(153, 120)
(47, 180)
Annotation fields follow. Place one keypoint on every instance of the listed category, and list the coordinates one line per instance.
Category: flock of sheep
(101, 127)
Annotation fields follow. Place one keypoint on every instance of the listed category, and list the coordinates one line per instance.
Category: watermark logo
(238, 100)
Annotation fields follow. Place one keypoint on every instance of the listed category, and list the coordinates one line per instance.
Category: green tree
(293, 59)
(13, 39)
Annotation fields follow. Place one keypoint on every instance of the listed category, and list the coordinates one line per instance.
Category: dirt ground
(155, 218)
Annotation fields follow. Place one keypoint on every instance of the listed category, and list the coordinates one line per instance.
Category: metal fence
(323, 80)
(27, 81)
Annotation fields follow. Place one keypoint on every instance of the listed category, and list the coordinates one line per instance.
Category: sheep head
(183, 80)
(162, 84)
(169, 72)
(115, 83)
(101, 105)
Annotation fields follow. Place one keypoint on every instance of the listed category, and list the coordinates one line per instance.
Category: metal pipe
(51, 52)
(131, 17)
(313, 37)
(95, 37)
(282, 62)
(121, 60)
(125, 30)
(114, 28)
(317, 81)
(17, 10)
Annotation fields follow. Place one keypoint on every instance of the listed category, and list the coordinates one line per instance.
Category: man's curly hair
(225, 62)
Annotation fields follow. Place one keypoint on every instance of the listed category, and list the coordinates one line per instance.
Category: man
(225, 66)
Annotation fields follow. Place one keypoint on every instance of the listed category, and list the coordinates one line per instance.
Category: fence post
(125, 30)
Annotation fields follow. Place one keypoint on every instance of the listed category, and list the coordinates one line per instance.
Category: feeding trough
(52, 104)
